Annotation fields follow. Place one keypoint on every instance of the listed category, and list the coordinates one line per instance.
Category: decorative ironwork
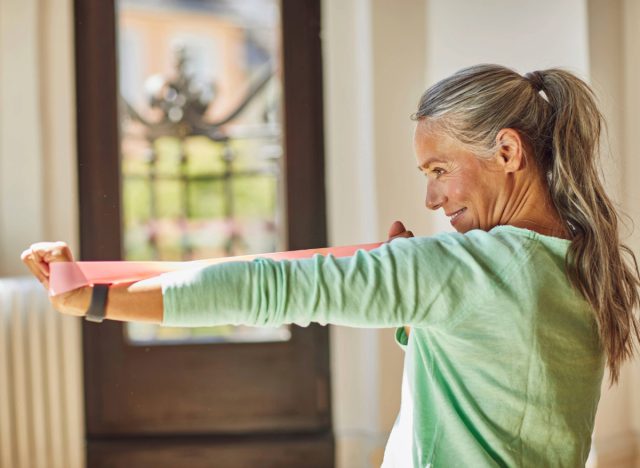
(182, 103)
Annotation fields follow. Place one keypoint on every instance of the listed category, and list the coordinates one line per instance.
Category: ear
(511, 150)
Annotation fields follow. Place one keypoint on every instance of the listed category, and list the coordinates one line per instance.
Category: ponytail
(595, 259)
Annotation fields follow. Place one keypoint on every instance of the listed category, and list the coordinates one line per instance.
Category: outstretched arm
(130, 302)
(136, 302)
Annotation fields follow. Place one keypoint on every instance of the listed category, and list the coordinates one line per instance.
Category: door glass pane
(201, 140)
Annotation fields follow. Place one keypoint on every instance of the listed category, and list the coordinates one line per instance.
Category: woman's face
(473, 192)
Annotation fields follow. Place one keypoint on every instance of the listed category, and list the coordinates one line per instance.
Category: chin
(465, 227)
(461, 229)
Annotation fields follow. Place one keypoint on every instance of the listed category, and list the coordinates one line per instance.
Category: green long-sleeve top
(503, 364)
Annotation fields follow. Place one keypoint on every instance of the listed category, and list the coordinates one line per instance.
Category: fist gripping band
(66, 276)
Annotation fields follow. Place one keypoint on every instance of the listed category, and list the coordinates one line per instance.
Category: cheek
(458, 190)
(468, 191)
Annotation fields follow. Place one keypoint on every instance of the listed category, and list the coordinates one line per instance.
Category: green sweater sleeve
(399, 283)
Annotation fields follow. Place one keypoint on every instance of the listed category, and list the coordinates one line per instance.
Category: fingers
(38, 257)
(396, 229)
(404, 234)
(32, 264)
(52, 252)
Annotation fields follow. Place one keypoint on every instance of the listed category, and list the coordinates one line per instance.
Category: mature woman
(512, 317)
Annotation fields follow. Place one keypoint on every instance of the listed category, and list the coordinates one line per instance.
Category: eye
(435, 172)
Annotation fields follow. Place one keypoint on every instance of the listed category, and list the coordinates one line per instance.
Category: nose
(434, 198)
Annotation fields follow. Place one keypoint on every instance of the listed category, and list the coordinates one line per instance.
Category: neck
(546, 229)
(530, 206)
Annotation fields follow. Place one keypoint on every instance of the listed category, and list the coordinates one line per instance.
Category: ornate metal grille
(182, 127)
(197, 186)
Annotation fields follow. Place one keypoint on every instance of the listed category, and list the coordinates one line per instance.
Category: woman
(512, 317)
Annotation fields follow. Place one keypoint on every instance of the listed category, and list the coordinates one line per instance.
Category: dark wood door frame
(99, 171)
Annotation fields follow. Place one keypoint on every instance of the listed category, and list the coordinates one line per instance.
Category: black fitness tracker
(96, 312)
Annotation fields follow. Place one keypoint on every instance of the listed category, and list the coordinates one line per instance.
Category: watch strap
(97, 309)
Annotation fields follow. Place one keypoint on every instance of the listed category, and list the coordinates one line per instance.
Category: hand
(396, 230)
(38, 257)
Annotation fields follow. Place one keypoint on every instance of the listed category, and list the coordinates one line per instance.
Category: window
(200, 141)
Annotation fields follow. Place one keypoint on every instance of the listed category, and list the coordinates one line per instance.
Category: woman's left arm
(139, 301)
(394, 285)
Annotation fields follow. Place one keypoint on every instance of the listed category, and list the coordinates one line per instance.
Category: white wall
(525, 35)
(37, 160)
(37, 132)
(20, 130)
(630, 120)
(614, 38)
(370, 91)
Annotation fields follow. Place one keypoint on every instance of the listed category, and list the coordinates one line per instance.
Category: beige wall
(37, 133)
(631, 165)
(38, 169)
(370, 91)
(614, 40)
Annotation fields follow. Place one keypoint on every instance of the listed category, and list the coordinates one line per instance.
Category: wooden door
(226, 405)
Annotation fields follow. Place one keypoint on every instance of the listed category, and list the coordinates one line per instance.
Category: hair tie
(536, 79)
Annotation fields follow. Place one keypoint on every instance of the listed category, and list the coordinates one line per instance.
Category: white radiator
(41, 399)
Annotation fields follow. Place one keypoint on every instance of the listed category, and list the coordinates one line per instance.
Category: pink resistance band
(66, 276)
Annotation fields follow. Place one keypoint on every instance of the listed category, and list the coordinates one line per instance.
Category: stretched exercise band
(66, 276)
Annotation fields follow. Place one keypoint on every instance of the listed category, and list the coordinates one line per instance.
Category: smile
(456, 215)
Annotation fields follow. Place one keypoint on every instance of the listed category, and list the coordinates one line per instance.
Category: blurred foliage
(203, 198)
(199, 206)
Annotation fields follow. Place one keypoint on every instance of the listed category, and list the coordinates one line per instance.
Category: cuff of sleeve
(173, 308)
